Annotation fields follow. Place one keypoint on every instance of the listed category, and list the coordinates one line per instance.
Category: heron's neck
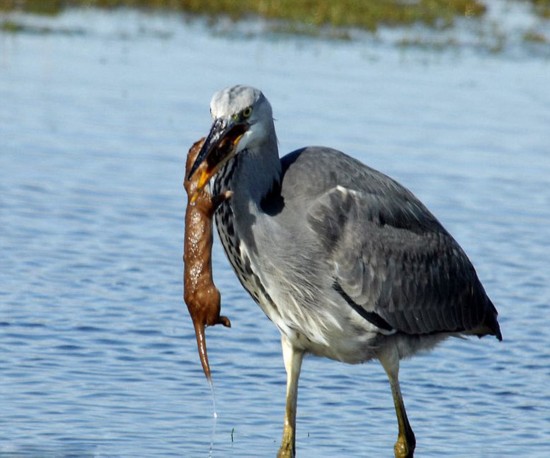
(257, 172)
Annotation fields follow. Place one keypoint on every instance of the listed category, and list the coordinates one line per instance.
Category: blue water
(97, 352)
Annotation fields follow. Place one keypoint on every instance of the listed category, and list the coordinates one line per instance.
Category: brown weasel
(200, 294)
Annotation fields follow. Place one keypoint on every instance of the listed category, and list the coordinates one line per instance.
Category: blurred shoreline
(433, 24)
(516, 28)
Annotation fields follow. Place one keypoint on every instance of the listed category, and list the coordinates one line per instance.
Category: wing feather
(392, 257)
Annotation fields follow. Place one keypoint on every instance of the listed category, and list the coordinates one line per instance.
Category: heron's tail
(490, 323)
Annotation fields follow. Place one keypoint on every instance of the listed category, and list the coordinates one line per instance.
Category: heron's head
(242, 119)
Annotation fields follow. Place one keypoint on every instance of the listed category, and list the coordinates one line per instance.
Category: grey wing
(395, 264)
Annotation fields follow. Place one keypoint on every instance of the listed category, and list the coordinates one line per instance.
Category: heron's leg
(293, 363)
(406, 442)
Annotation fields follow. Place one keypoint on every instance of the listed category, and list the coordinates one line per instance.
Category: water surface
(97, 352)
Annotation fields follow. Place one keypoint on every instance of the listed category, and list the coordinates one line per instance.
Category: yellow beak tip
(205, 176)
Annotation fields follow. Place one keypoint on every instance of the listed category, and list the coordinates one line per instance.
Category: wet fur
(200, 294)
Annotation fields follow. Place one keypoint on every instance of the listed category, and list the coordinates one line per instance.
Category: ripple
(94, 335)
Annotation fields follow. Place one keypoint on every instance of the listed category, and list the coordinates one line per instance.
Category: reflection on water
(98, 355)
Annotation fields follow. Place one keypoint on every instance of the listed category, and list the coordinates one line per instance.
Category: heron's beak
(218, 148)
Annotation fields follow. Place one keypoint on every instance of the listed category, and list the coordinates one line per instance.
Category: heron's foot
(286, 451)
(404, 447)
(288, 448)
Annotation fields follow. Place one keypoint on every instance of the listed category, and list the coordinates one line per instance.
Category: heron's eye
(247, 112)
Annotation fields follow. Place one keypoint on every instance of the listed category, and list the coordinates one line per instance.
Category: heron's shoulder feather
(316, 169)
(331, 186)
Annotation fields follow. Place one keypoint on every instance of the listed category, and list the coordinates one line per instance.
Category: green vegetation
(342, 13)
(541, 7)
(329, 18)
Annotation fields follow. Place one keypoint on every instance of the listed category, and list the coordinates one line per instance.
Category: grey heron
(346, 262)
